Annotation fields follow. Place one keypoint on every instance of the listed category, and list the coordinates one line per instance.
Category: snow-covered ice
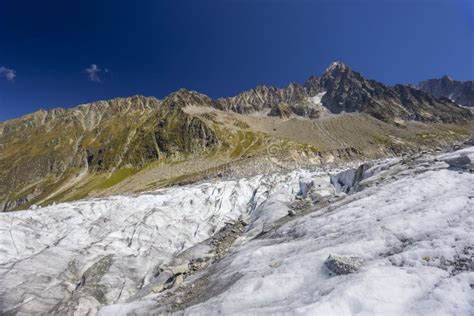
(411, 233)
(412, 225)
(47, 253)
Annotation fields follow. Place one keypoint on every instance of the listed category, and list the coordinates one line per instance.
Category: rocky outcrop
(267, 100)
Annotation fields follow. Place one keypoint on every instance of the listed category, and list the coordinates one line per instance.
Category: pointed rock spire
(336, 65)
(446, 78)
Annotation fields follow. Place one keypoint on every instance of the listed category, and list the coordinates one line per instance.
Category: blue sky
(61, 53)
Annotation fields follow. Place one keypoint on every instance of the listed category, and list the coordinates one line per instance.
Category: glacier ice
(412, 225)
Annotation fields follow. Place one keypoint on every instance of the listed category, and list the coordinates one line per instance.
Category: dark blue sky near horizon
(219, 48)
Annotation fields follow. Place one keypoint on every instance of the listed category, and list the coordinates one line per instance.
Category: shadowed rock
(348, 181)
(461, 162)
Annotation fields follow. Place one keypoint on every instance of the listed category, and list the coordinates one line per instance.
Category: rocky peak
(446, 78)
(263, 89)
(338, 70)
(461, 92)
(348, 91)
(184, 97)
(334, 72)
(344, 90)
(336, 66)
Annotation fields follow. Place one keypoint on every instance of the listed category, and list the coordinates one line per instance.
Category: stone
(341, 265)
(181, 269)
(461, 162)
(158, 288)
(314, 197)
(178, 280)
(275, 264)
(244, 221)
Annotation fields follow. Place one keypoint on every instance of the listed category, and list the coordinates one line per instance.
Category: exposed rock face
(45, 148)
(461, 92)
(341, 265)
(347, 91)
(268, 101)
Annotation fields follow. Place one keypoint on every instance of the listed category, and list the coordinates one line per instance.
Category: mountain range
(461, 92)
(141, 143)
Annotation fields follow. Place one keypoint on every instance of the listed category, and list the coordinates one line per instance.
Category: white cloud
(93, 72)
(9, 74)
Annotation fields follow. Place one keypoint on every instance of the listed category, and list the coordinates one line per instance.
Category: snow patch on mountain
(317, 98)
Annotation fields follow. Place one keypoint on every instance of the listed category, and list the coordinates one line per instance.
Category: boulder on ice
(343, 264)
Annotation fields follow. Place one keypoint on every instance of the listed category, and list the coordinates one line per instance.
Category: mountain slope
(102, 137)
(141, 143)
(461, 92)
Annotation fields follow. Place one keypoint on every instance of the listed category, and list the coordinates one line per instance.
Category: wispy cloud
(9, 74)
(94, 73)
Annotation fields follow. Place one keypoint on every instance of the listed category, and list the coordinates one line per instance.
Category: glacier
(409, 219)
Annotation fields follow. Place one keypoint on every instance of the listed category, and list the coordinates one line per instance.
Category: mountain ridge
(405, 97)
(66, 154)
(461, 92)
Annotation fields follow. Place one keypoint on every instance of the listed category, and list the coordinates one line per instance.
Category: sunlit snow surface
(404, 231)
(45, 252)
(411, 224)
(318, 97)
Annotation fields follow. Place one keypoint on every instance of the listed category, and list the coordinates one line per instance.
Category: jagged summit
(184, 97)
(337, 65)
(446, 78)
(461, 92)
